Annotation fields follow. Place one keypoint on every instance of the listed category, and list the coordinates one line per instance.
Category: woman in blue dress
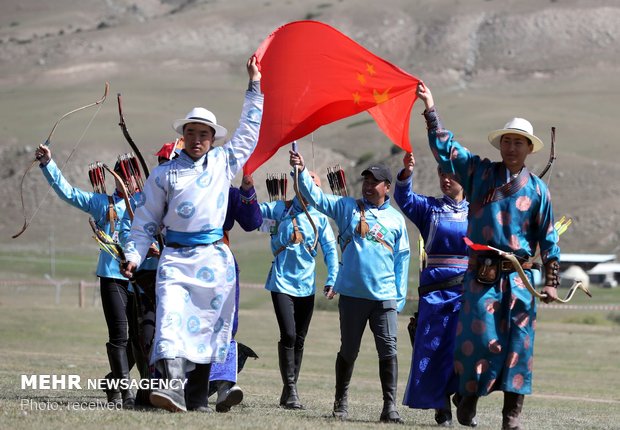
(442, 222)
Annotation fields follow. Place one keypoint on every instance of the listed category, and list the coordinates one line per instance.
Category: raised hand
(296, 160)
(424, 94)
(252, 66)
(44, 154)
(247, 182)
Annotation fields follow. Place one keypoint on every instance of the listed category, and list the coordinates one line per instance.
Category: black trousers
(118, 309)
(294, 315)
(380, 315)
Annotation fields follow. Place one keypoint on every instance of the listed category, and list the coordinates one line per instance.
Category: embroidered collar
(186, 160)
(512, 176)
(453, 203)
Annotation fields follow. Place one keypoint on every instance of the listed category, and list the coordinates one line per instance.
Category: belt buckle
(506, 266)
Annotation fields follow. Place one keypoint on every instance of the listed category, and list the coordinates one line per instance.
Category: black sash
(440, 285)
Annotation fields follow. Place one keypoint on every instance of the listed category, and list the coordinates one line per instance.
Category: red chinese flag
(313, 75)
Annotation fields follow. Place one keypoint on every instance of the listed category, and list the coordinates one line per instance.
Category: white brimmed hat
(202, 116)
(516, 126)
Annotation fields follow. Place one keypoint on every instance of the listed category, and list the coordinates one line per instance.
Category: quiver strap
(112, 216)
(296, 236)
(362, 227)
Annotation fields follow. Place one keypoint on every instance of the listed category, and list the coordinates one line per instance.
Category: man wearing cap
(116, 298)
(510, 209)
(196, 278)
(372, 280)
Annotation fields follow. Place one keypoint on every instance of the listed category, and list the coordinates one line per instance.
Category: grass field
(576, 377)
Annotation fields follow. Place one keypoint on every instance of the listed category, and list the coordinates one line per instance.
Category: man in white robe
(187, 198)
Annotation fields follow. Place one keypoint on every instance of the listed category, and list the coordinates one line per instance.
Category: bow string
(48, 142)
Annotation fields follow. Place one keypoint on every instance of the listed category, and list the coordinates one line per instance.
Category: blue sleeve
(270, 210)
(401, 266)
(328, 246)
(547, 235)
(82, 200)
(248, 214)
(414, 206)
(332, 206)
(454, 158)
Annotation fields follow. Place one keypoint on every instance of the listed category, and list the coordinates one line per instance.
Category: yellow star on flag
(370, 69)
(361, 78)
(357, 98)
(381, 97)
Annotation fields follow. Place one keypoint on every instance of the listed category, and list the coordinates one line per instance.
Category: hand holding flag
(314, 75)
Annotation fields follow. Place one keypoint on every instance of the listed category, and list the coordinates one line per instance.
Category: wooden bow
(551, 155)
(125, 191)
(48, 142)
(128, 138)
(301, 202)
(577, 285)
(145, 168)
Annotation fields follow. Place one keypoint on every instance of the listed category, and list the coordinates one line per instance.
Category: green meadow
(576, 376)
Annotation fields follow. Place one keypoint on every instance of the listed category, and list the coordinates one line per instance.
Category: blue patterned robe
(242, 208)
(443, 224)
(495, 335)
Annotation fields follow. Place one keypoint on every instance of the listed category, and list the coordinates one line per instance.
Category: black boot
(513, 404)
(344, 371)
(229, 394)
(197, 389)
(173, 398)
(287, 369)
(113, 394)
(117, 356)
(466, 409)
(388, 373)
(299, 355)
(443, 416)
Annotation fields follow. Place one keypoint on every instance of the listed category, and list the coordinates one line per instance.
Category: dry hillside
(555, 62)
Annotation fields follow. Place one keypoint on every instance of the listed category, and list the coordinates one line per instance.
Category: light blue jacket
(292, 271)
(369, 270)
(96, 205)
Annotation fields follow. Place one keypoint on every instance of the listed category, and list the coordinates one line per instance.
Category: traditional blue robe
(442, 222)
(495, 335)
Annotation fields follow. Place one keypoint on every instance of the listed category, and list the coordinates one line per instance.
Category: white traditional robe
(196, 278)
